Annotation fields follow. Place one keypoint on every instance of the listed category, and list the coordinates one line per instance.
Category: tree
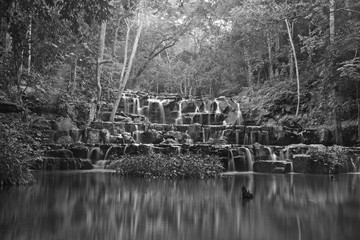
(296, 65)
(127, 66)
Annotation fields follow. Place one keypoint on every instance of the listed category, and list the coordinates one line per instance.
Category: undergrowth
(168, 167)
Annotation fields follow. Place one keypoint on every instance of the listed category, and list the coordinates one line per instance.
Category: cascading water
(249, 158)
(136, 134)
(136, 106)
(126, 103)
(178, 120)
(231, 162)
(237, 137)
(107, 153)
(246, 139)
(240, 119)
(271, 154)
(160, 105)
(354, 169)
(285, 154)
(204, 135)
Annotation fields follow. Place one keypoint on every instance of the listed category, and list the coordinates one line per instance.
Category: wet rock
(114, 152)
(60, 153)
(76, 135)
(151, 136)
(131, 149)
(195, 132)
(325, 137)
(54, 163)
(64, 124)
(127, 137)
(79, 151)
(309, 136)
(93, 135)
(116, 139)
(85, 164)
(96, 154)
(272, 166)
(104, 135)
(9, 107)
(300, 162)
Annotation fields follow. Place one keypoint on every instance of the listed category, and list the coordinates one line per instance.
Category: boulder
(9, 107)
(272, 166)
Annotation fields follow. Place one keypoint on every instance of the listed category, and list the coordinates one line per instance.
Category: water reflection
(103, 206)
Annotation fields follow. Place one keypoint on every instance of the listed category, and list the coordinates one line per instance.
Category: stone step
(57, 163)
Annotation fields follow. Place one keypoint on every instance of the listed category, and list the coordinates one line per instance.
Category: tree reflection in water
(102, 206)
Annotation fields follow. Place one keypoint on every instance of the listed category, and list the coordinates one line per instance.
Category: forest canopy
(303, 51)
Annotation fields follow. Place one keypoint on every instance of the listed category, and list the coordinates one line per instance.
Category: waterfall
(231, 162)
(95, 154)
(204, 135)
(246, 139)
(291, 167)
(249, 158)
(107, 153)
(285, 154)
(271, 154)
(266, 138)
(252, 138)
(126, 146)
(178, 120)
(161, 108)
(217, 110)
(136, 107)
(237, 137)
(136, 134)
(126, 104)
(354, 169)
(240, 119)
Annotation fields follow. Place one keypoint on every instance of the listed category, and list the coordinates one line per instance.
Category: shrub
(15, 150)
(170, 166)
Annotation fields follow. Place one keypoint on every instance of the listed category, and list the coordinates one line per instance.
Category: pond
(100, 205)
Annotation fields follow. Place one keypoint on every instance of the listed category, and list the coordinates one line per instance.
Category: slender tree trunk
(249, 68)
(99, 66)
(29, 46)
(296, 66)
(358, 110)
(335, 83)
(271, 70)
(72, 85)
(124, 79)
(311, 48)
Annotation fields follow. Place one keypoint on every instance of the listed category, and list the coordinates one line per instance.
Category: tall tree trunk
(296, 66)
(271, 70)
(358, 110)
(335, 83)
(29, 36)
(99, 66)
(124, 79)
(249, 67)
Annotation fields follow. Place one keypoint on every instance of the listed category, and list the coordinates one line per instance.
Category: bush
(173, 166)
(15, 150)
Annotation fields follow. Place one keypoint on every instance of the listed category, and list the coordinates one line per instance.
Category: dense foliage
(165, 166)
(16, 148)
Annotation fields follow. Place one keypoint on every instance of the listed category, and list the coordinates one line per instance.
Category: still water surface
(99, 205)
